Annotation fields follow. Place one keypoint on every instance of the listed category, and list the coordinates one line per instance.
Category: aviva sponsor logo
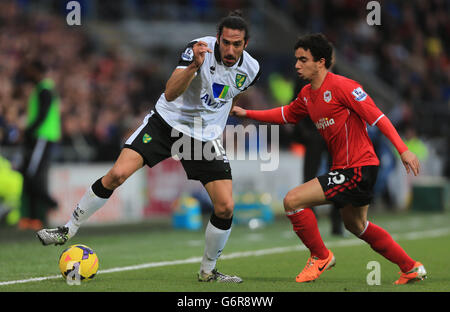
(324, 123)
(146, 138)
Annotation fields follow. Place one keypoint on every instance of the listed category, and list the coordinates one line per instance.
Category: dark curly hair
(318, 45)
(234, 20)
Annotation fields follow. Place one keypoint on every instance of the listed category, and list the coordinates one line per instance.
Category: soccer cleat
(216, 276)
(56, 236)
(315, 267)
(417, 273)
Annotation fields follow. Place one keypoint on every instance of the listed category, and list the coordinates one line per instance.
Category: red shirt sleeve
(355, 98)
(295, 111)
(387, 128)
(290, 113)
(269, 115)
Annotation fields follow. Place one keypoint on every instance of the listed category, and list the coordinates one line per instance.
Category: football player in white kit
(211, 74)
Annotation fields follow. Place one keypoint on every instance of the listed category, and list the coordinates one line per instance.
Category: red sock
(305, 225)
(382, 242)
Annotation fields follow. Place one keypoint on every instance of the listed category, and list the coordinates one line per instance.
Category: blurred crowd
(104, 94)
(185, 10)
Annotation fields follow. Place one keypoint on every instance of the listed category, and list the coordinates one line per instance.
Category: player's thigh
(304, 196)
(221, 194)
(354, 218)
(128, 162)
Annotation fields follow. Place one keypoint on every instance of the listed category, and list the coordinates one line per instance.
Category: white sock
(87, 206)
(215, 240)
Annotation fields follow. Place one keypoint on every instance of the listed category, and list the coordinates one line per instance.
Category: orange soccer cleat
(417, 273)
(314, 267)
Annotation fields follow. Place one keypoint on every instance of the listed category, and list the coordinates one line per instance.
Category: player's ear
(322, 61)
(246, 44)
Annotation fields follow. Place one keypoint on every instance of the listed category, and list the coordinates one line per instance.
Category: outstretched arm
(270, 115)
(238, 111)
(409, 159)
(291, 113)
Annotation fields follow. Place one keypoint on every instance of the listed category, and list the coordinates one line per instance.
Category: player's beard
(229, 58)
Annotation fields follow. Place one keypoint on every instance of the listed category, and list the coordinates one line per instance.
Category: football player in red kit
(340, 109)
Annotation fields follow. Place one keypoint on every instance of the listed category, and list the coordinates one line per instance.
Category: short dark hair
(234, 20)
(318, 45)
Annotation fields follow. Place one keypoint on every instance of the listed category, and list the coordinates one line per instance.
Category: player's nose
(230, 51)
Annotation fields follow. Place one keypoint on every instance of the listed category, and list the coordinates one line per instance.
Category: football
(79, 257)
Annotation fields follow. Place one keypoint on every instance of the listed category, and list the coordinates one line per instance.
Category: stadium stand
(99, 84)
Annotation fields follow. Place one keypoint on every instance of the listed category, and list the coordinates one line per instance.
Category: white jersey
(202, 110)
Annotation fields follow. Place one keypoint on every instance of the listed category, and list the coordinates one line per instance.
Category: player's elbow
(170, 96)
(171, 91)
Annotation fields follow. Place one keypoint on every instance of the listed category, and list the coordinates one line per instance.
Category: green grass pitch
(155, 258)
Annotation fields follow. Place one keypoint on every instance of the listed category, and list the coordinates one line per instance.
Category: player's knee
(287, 203)
(115, 178)
(354, 226)
(291, 201)
(224, 209)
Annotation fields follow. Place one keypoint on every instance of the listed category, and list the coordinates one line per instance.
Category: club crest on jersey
(146, 138)
(240, 79)
(327, 96)
(359, 94)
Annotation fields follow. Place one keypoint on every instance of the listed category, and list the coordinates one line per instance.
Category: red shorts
(349, 186)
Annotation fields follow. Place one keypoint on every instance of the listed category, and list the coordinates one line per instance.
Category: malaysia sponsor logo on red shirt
(324, 123)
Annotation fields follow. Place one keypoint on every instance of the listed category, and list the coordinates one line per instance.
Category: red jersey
(340, 109)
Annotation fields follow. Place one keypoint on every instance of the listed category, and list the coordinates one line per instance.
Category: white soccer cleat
(57, 236)
(216, 276)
